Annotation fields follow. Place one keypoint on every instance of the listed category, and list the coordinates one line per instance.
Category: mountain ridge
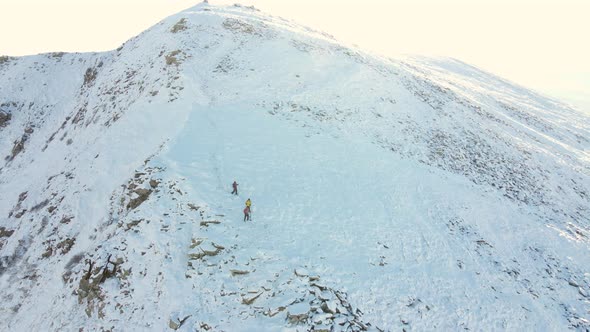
(121, 160)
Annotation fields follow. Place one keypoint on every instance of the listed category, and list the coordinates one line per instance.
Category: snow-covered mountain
(388, 194)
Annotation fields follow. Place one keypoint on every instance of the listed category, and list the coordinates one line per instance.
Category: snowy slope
(412, 193)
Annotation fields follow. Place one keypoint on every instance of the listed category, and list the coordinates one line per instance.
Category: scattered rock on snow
(66, 219)
(4, 232)
(179, 26)
(193, 207)
(329, 307)
(322, 328)
(298, 313)
(175, 323)
(133, 224)
(251, 299)
(142, 196)
(207, 222)
(196, 242)
(66, 245)
(18, 147)
(301, 272)
(154, 183)
(20, 214)
(4, 119)
(235, 272)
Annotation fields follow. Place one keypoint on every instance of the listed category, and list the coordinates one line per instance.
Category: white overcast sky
(542, 44)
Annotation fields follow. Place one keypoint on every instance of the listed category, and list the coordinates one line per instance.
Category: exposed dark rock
(142, 196)
(4, 119)
(66, 245)
(154, 183)
(90, 76)
(18, 147)
(5, 232)
(40, 205)
(133, 224)
(179, 26)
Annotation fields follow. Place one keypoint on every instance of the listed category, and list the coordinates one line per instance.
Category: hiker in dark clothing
(235, 186)
(247, 214)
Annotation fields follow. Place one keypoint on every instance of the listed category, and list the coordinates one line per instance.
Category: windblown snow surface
(388, 194)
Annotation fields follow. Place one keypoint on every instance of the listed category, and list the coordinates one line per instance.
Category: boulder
(142, 196)
(298, 313)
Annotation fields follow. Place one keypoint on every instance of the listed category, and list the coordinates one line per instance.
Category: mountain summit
(387, 194)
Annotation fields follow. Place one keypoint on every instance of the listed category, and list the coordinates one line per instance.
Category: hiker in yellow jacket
(247, 211)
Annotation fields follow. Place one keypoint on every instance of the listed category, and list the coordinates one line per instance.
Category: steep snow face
(412, 193)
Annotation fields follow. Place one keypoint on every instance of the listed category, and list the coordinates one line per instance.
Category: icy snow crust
(388, 194)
